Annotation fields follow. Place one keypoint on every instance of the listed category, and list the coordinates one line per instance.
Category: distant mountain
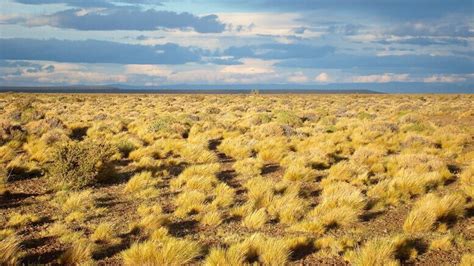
(196, 89)
(361, 88)
(60, 89)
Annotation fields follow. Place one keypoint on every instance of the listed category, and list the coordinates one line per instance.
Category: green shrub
(79, 164)
(287, 118)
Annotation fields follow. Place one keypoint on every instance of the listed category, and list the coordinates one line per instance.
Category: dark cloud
(395, 64)
(424, 29)
(426, 41)
(299, 30)
(400, 9)
(142, 38)
(344, 29)
(6, 63)
(272, 51)
(224, 61)
(24, 66)
(88, 3)
(126, 18)
(92, 51)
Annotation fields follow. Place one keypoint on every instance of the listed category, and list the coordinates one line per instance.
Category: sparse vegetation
(236, 180)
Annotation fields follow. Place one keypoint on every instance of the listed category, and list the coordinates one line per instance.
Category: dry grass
(266, 251)
(9, 250)
(444, 243)
(105, 233)
(236, 179)
(297, 172)
(142, 186)
(342, 204)
(467, 180)
(80, 253)
(152, 218)
(467, 259)
(248, 167)
(256, 219)
(20, 220)
(431, 209)
(171, 252)
(189, 201)
(383, 251)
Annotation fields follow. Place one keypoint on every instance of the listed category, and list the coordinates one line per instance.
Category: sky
(156, 42)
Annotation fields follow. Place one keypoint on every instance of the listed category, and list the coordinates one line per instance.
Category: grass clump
(10, 251)
(152, 217)
(238, 148)
(221, 256)
(342, 204)
(104, 233)
(171, 252)
(76, 206)
(298, 172)
(212, 218)
(287, 206)
(410, 175)
(255, 249)
(467, 259)
(79, 164)
(3, 181)
(442, 243)
(347, 171)
(272, 149)
(384, 251)
(431, 209)
(260, 194)
(333, 246)
(224, 196)
(142, 186)
(80, 253)
(198, 154)
(20, 220)
(248, 167)
(189, 202)
(256, 219)
(467, 181)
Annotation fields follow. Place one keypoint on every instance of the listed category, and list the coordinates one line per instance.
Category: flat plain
(236, 179)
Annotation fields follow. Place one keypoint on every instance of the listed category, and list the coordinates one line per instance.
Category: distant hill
(177, 89)
(333, 88)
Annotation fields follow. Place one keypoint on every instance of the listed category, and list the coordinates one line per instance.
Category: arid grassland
(237, 179)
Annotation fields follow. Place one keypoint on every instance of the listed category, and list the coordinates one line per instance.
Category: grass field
(237, 179)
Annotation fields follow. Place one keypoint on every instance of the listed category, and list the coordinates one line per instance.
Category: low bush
(79, 164)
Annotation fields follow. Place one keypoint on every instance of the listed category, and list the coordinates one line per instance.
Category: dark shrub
(79, 164)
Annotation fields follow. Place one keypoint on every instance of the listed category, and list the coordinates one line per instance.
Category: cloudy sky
(153, 42)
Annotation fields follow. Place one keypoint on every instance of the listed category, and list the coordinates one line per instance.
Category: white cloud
(298, 77)
(252, 23)
(384, 78)
(148, 70)
(250, 67)
(444, 79)
(322, 77)
(65, 73)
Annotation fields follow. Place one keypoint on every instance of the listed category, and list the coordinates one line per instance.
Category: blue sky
(153, 42)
